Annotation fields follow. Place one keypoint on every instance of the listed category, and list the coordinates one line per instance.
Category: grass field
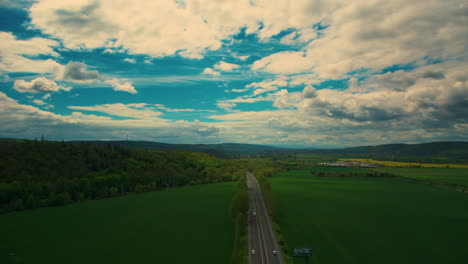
(182, 225)
(437, 175)
(410, 164)
(371, 220)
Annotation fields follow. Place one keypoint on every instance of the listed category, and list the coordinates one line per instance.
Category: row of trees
(352, 174)
(239, 210)
(39, 173)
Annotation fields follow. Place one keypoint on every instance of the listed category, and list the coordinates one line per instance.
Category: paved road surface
(261, 236)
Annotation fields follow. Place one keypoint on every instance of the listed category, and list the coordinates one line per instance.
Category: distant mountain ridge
(450, 150)
(432, 152)
(215, 149)
(423, 149)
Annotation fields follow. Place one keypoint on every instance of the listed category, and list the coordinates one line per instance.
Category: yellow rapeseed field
(409, 164)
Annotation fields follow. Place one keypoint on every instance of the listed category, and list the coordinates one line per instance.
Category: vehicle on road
(275, 252)
(254, 213)
(253, 251)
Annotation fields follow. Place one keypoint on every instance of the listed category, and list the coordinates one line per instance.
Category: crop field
(410, 164)
(371, 220)
(437, 175)
(181, 225)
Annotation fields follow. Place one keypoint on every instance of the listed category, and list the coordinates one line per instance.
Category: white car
(253, 251)
(254, 213)
(275, 252)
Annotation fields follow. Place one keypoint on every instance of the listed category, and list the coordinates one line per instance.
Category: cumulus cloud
(378, 34)
(209, 71)
(38, 85)
(15, 54)
(204, 130)
(77, 72)
(309, 92)
(265, 86)
(188, 30)
(27, 121)
(120, 85)
(227, 67)
(399, 96)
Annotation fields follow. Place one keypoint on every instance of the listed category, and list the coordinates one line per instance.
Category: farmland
(371, 220)
(182, 225)
(410, 164)
(436, 175)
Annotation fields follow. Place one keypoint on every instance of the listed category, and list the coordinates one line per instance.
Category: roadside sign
(302, 252)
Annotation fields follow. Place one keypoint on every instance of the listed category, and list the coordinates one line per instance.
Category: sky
(302, 73)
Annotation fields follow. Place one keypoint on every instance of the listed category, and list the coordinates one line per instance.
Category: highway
(261, 236)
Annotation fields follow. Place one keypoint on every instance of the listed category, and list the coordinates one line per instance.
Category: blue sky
(290, 73)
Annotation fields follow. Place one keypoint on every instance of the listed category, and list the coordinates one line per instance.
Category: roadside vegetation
(190, 224)
(40, 173)
(239, 209)
(370, 219)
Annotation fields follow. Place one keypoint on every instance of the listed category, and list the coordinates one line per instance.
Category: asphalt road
(261, 236)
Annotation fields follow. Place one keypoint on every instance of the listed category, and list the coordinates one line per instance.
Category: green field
(182, 225)
(371, 220)
(437, 175)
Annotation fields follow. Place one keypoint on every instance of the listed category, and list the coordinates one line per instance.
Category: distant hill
(222, 149)
(454, 151)
(445, 151)
(423, 149)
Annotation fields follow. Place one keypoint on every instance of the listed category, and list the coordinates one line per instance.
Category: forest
(42, 173)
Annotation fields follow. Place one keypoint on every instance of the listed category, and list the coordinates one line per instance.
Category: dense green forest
(40, 173)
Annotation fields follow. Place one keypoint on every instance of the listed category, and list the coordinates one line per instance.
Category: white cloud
(34, 46)
(266, 86)
(285, 62)
(289, 39)
(26, 121)
(129, 60)
(306, 35)
(227, 67)
(209, 71)
(39, 102)
(376, 35)
(241, 57)
(121, 85)
(17, 4)
(38, 85)
(138, 111)
(172, 110)
(13, 52)
(226, 106)
(189, 30)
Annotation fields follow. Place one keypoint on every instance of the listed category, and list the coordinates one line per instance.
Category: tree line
(41, 173)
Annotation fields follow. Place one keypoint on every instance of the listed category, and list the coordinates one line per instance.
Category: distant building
(350, 164)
